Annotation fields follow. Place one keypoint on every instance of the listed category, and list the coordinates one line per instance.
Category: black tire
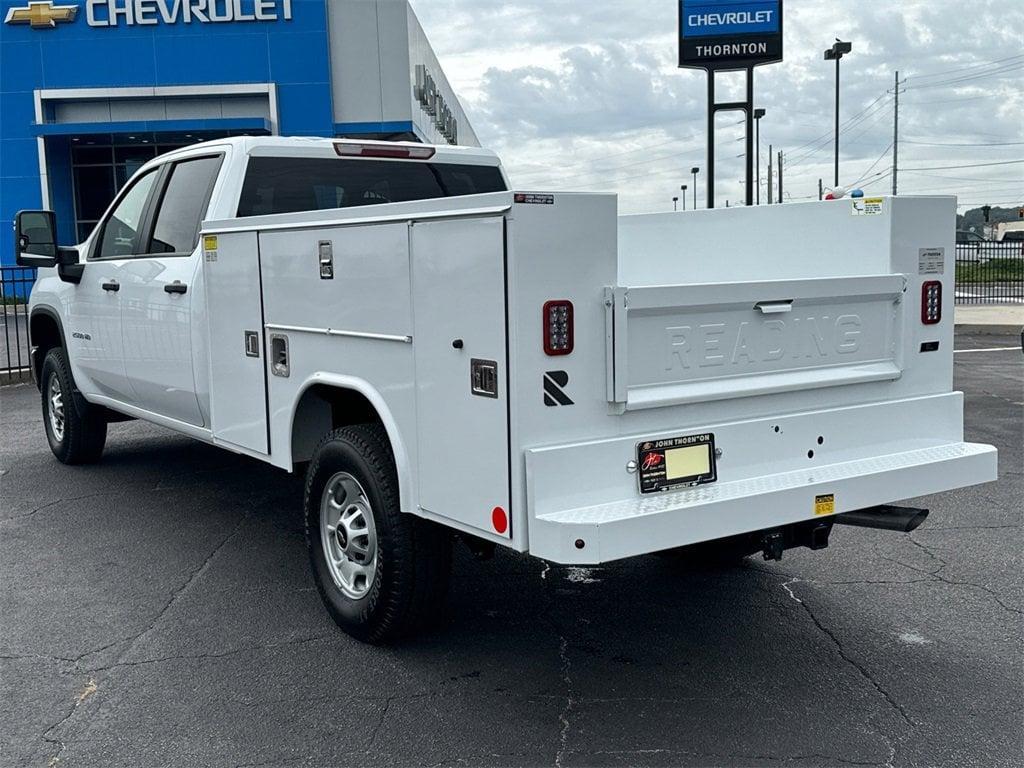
(83, 431)
(413, 556)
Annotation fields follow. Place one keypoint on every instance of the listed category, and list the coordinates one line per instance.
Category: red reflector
(558, 327)
(346, 149)
(931, 302)
(499, 520)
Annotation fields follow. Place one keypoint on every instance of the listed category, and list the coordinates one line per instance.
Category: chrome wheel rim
(55, 397)
(348, 535)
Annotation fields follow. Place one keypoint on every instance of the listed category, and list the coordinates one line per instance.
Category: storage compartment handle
(774, 307)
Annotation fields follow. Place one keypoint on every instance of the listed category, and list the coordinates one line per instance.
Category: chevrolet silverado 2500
(445, 358)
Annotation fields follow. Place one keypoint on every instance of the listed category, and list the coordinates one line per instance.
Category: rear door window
(288, 185)
(183, 205)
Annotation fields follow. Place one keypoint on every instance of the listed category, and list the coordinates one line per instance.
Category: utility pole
(770, 197)
(896, 132)
(821, 190)
(780, 176)
(695, 170)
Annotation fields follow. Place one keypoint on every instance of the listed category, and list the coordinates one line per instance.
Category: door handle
(176, 287)
(112, 285)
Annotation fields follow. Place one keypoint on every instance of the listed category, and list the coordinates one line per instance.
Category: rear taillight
(931, 302)
(558, 332)
(398, 152)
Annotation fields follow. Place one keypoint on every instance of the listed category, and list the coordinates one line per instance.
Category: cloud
(587, 95)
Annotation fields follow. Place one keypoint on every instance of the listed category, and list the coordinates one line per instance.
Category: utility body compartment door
(459, 340)
(234, 310)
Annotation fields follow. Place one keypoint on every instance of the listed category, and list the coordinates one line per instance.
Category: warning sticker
(825, 505)
(210, 247)
(931, 261)
(867, 206)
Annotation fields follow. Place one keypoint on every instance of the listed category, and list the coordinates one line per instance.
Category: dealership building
(92, 89)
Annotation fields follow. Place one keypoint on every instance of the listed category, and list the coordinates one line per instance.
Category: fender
(363, 387)
(35, 358)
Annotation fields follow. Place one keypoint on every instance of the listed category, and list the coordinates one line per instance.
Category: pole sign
(729, 34)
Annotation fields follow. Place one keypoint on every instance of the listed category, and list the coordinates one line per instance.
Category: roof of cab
(302, 146)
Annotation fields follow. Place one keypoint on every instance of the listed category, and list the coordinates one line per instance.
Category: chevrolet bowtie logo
(44, 14)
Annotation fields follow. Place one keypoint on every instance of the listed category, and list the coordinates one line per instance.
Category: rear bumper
(565, 483)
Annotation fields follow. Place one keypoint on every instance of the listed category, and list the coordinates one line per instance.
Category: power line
(966, 144)
(968, 165)
(869, 170)
(828, 133)
(854, 122)
(969, 78)
(969, 66)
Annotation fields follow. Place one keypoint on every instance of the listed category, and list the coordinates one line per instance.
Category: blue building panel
(91, 49)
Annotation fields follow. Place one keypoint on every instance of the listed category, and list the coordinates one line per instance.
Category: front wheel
(75, 430)
(382, 574)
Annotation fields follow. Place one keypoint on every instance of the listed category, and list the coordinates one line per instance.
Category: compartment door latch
(325, 252)
(483, 377)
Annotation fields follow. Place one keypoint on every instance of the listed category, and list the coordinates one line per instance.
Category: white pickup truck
(445, 357)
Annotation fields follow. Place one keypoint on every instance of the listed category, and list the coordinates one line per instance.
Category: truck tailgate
(677, 344)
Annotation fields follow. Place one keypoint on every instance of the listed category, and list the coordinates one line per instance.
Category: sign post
(723, 36)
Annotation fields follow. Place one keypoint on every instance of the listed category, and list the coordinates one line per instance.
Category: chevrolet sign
(729, 34)
(114, 13)
(41, 15)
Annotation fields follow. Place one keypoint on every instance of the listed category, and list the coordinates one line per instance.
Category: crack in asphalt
(215, 655)
(88, 690)
(570, 701)
(864, 672)
(134, 640)
(564, 716)
(54, 503)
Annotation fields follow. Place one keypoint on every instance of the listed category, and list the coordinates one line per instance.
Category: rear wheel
(75, 430)
(382, 574)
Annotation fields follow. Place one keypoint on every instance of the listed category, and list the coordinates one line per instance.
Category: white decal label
(931, 261)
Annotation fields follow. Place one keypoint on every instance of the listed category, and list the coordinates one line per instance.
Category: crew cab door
(94, 338)
(158, 290)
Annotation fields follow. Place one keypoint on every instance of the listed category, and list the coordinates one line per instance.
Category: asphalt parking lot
(157, 609)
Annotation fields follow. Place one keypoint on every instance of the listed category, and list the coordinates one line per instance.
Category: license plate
(676, 461)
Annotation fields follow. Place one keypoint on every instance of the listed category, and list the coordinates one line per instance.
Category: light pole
(675, 203)
(758, 114)
(695, 170)
(835, 53)
(683, 195)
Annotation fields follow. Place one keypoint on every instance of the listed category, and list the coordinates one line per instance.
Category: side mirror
(35, 239)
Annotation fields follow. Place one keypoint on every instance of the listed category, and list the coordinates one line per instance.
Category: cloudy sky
(585, 94)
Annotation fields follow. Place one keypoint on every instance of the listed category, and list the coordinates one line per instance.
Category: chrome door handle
(112, 285)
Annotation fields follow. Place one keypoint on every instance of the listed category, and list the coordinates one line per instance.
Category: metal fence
(990, 273)
(15, 284)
